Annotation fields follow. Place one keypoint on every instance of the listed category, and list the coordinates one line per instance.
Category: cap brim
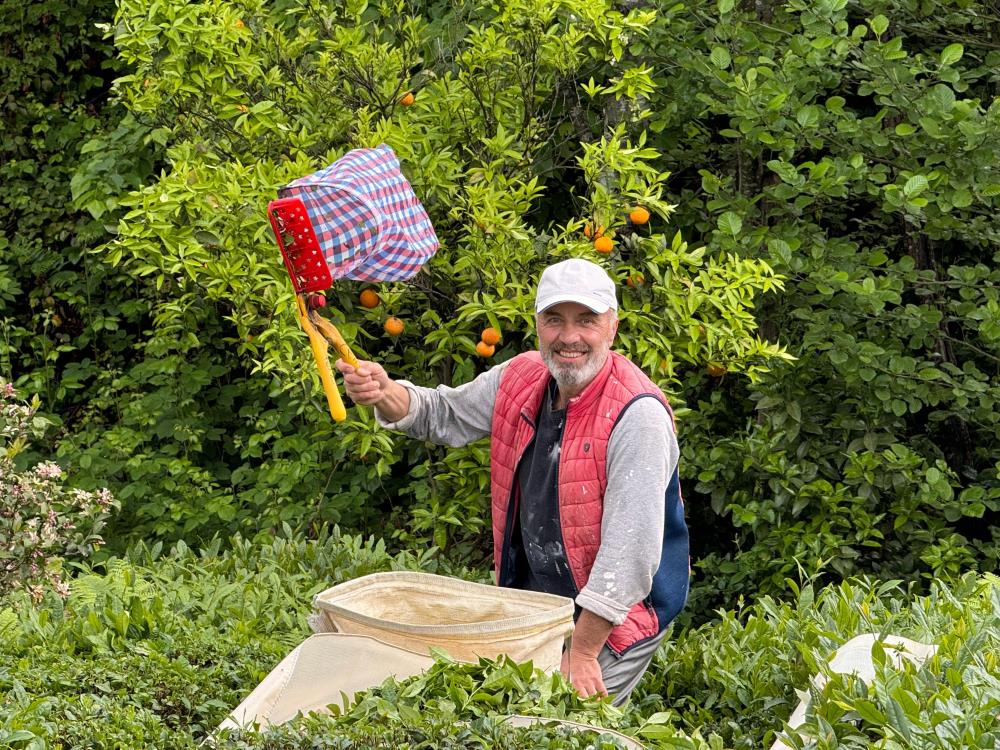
(587, 301)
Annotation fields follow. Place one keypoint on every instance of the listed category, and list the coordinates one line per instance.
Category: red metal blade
(299, 247)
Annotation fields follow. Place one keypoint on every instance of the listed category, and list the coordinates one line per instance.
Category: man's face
(574, 343)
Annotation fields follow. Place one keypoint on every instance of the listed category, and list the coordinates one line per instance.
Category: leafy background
(816, 290)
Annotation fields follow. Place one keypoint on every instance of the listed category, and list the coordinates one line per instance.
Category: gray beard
(574, 378)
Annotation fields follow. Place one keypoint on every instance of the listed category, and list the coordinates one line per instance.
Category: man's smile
(571, 354)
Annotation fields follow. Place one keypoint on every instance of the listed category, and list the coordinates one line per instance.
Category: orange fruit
(638, 215)
(716, 369)
(485, 350)
(407, 99)
(491, 336)
(369, 298)
(603, 245)
(243, 108)
(239, 24)
(588, 230)
(394, 326)
(636, 279)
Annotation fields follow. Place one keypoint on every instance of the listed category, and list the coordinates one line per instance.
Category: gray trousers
(622, 673)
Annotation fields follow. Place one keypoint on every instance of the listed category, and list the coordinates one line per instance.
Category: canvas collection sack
(386, 624)
(420, 611)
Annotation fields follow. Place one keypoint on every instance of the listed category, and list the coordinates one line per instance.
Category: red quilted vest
(590, 419)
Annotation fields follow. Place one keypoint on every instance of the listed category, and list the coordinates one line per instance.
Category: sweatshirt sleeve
(642, 457)
(450, 416)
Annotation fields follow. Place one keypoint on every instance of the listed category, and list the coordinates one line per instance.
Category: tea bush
(154, 649)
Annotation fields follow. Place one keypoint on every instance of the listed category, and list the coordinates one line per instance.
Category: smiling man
(585, 494)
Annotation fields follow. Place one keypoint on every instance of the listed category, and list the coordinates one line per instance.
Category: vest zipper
(562, 535)
(512, 504)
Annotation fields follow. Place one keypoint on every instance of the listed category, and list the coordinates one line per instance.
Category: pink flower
(8, 390)
(104, 498)
(48, 470)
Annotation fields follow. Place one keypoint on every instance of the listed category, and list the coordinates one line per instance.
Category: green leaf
(974, 510)
(879, 24)
(720, 57)
(730, 223)
(945, 96)
(726, 6)
(869, 712)
(931, 126)
(915, 186)
(952, 54)
(897, 718)
(961, 198)
(808, 116)
(904, 128)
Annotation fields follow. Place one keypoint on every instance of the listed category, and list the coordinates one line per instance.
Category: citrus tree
(508, 122)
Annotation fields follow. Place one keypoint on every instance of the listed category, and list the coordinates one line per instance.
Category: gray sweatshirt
(642, 456)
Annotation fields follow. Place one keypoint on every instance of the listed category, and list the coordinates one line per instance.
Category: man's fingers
(592, 688)
(358, 377)
(360, 383)
(586, 677)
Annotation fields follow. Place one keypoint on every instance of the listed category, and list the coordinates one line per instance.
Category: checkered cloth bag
(369, 224)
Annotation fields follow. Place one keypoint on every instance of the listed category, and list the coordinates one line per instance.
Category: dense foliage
(837, 161)
(154, 649)
(221, 428)
(853, 146)
(67, 319)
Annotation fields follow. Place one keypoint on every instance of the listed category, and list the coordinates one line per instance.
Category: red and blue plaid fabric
(369, 223)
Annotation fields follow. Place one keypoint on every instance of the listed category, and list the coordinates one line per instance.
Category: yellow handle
(319, 350)
(329, 330)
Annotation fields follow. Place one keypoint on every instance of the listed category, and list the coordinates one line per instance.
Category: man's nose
(569, 335)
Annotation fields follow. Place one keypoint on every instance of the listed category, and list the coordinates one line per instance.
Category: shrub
(42, 522)
(850, 145)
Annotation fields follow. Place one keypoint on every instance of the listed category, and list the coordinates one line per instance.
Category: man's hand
(584, 673)
(579, 661)
(370, 384)
(365, 384)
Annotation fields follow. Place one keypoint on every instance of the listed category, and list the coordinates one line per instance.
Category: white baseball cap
(576, 280)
